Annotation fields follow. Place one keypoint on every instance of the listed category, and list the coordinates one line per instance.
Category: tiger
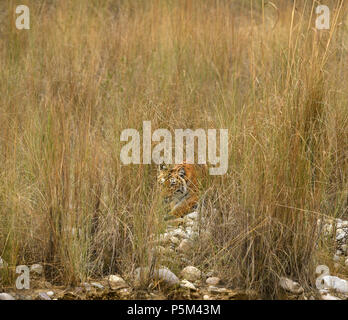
(180, 186)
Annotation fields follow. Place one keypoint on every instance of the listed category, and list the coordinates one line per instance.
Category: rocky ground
(190, 283)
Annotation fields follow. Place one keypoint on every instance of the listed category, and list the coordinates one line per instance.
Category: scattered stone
(37, 268)
(50, 293)
(340, 234)
(97, 285)
(192, 215)
(291, 286)
(206, 297)
(162, 275)
(214, 289)
(174, 240)
(187, 284)
(179, 233)
(166, 276)
(117, 282)
(6, 296)
(43, 296)
(329, 297)
(191, 273)
(213, 281)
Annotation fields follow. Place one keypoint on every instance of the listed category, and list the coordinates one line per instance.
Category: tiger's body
(180, 186)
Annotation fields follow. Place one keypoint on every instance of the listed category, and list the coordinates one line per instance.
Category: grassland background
(86, 70)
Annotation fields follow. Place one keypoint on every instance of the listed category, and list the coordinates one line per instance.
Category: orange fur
(180, 186)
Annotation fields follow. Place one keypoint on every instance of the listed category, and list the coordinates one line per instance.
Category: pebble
(44, 296)
(50, 293)
(329, 297)
(164, 275)
(174, 240)
(290, 285)
(6, 296)
(116, 282)
(192, 215)
(214, 289)
(187, 284)
(191, 273)
(213, 281)
(97, 285)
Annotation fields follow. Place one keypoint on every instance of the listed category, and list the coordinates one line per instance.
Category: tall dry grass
(86, 70)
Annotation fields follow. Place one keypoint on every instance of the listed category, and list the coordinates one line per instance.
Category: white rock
(116, 282)
(343, 224)
(163, 275)
(166, 276)
(214, 289)
(187, 284)
(175, 240)
(335, 283)
(340, 234)
(329, 297)
(290, 285)
(6, 296)
(191, 273)
(97, 285)
(192, 215)
(189, 223)
(43, 296)
(346, 262)
(213, 281)
(179, 233)
(50, 293)
(206, 297)
(37, 268)
(338, 253)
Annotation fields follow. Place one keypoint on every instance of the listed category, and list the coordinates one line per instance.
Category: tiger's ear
(162, 167)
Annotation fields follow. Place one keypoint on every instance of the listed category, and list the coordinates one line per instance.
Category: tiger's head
(177, 179)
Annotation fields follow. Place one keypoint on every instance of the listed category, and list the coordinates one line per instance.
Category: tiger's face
(178, 187)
